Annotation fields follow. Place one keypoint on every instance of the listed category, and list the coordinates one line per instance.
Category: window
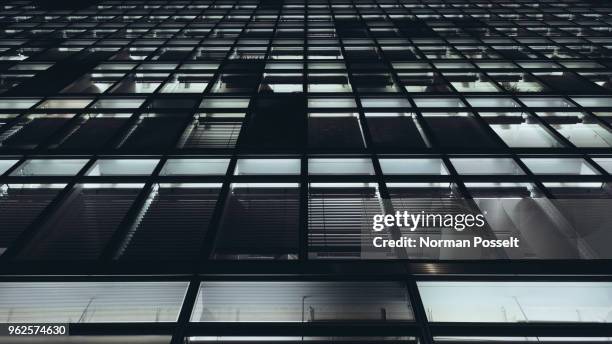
(267, 166)
(579, 128)
(208, 133)
(50, 167)
(460, 130)
(423, 82)
(303, 301)
(385, 103)
(486, 166)
(20, 205)
(470, 82)
(559, 166)
(340, 219)
(216, 103)
(91, 302)
(172, 224)
(5, 165)
(260, 221)
(396, 130)
(82, 226)
(334, 131)
(520, 130)
(438, 102)
(115, 103)
(187, 167)
(65, 104)
(517, 82)
(155, 131)
(546, 102)
(17, 103)
(605, 163)
(492, 102)
(413, 166)
(513, 302)
(340, 166)
(95, 131)
(331, 103)
(593, 102)
(187, 83)
(122, 167)
(32, 130)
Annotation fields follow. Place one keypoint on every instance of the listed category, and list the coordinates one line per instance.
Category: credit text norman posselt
(428, 242)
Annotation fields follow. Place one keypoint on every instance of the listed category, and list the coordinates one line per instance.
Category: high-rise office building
(211, 171)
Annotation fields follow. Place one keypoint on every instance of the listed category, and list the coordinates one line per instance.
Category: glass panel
(301, 301)
(207, 134)
(6, 164)
(546, 102)
(514, 302)
(90, 302)
(94, 133)
(385, 102)
(492, 102)
(486, 166)
(50, 167)
(559, 166)
(172, 224)
(155, 132)
(460, 130)
(115, 103)
(438, 102)
(585, 135)
(395, 130)
(225, 103)
(525, 135)
(20, 205)
(17, 103)
(578, 128)
(331, 103)
(123, 167)
(33, 130)
(340, 218)
(413, 166)
(267, 166)
(64, 104)
(83, 225)
(334, 131)
(470, 82)
(186, 167)
(340, 166)
(605, 163)
(593, 102)
(260, 221)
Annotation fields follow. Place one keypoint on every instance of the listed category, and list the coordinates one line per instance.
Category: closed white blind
(90, 302)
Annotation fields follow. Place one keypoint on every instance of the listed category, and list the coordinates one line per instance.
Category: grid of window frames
(259, 137)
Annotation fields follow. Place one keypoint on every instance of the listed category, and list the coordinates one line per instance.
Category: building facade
(197, 171)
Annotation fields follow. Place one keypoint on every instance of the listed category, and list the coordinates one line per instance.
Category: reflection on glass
(50, 167)
(517, 302)
(90, 302)
(486, 166)
(301, 301)
(575, 166)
